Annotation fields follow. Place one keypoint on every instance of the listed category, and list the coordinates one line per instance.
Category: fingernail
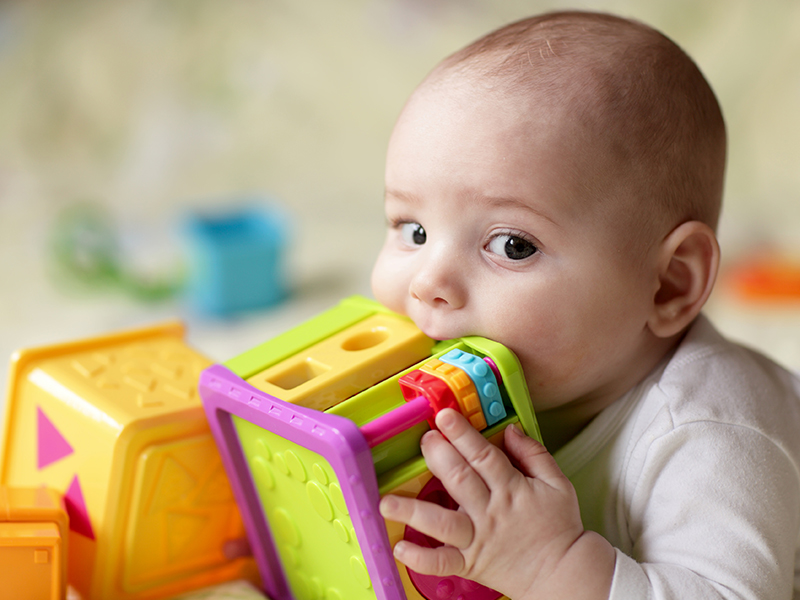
(399, 550)
(515, 429)
(388, 505)
(446, 421)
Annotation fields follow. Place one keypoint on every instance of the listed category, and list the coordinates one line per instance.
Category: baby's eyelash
(516, 233)
(395, 222)
(514, 245)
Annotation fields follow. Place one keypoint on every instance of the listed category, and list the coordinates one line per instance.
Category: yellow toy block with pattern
(115, 424)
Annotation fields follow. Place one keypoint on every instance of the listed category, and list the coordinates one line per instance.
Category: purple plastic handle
(335, 438)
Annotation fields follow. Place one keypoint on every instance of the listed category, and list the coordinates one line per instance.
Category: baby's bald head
(626, 93)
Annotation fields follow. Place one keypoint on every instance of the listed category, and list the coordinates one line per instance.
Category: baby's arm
(712, 511)
(518, 530)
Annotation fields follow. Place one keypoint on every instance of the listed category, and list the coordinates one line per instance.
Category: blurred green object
(85, 248)
(84, 244)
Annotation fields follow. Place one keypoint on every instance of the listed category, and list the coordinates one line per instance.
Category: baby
(555, 186)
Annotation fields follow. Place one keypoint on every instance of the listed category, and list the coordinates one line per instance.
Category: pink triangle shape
(51, 445)
(76, 509)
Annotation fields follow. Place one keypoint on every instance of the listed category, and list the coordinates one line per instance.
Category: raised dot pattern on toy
(458, 380)
(321, 556)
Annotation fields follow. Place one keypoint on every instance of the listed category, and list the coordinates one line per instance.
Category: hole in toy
(299, 374)
(366, 339)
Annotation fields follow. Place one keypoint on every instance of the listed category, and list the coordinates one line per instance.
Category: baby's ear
(688, 260)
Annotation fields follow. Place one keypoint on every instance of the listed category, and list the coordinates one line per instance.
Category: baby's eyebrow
(491, 201)
(516, 203)
(400, 195)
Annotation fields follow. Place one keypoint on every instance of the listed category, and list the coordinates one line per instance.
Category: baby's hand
(518, 530)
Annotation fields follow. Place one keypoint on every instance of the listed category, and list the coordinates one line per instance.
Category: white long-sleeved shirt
(694, 476)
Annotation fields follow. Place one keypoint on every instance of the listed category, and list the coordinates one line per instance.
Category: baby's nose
(440, 282)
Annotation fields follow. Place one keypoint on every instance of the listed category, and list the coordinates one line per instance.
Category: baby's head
(555, 186)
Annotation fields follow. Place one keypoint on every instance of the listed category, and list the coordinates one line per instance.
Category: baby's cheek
(552, 374)
(387, 288)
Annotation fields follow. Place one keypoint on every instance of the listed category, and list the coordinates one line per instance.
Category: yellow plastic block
(116, 425)
(33, 544)
(463, 389)
(346, 363)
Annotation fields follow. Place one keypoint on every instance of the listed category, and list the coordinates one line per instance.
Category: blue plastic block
(485, 382)
(236, 260)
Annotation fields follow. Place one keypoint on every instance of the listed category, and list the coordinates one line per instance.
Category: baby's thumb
(532, 458)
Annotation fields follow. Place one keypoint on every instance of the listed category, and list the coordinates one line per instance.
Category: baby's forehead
(586, 62)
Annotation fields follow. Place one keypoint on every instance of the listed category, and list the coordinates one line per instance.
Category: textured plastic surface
(33, 544)
(484, 380)
(347, 460)
(115, 424)
(346, 363)
(515, 389)
(469, 404)
(435, 389)
(343, 315)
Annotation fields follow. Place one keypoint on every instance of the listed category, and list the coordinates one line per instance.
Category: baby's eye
(512, 246)
(413, 234)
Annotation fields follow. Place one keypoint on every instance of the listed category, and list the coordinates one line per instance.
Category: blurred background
(120, 120)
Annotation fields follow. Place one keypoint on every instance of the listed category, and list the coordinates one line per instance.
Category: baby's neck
(560, 425)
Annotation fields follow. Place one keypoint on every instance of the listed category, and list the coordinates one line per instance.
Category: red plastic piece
(418, 383)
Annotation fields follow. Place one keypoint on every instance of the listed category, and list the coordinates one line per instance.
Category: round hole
(366, 339)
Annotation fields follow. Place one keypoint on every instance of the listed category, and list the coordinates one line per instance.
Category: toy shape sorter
(316, 424)
(115, 424)
(33, 544)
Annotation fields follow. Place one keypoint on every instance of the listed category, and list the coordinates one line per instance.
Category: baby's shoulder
(712, 379)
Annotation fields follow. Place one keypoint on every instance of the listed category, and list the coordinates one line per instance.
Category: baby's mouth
(437, 326)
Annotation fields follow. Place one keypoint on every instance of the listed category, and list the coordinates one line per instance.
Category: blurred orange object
(767, 276)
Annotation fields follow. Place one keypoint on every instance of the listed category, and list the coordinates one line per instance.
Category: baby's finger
(441, 561)
(448, 526)
(465, 485)
(488, 461)
(534, 460)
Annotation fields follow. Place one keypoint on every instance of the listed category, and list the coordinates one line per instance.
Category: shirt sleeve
(712, 513)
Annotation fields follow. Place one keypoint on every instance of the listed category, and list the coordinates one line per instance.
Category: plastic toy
(33, 544)
(765, 276)
(235, 261)
(308, 474)
(115, 424)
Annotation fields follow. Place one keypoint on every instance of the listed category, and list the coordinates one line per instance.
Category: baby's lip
(434, 327)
